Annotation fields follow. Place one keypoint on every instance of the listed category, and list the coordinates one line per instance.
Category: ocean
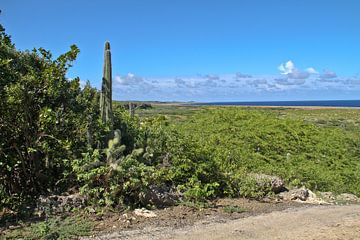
(320, 103)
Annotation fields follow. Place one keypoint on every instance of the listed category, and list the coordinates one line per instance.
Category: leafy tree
(43, 120)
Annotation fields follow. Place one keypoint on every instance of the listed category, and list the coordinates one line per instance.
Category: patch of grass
(53, 228)
(234, 209)
(196, 204)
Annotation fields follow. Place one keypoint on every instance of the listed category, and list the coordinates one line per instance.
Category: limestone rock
(303, 195)
(144, 213)
(295, 194)
(314, 199)
(327, 196)
(347, 197)
(59, 203)
(273, 183)
(159, 195)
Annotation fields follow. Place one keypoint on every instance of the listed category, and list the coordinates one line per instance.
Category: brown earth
(185, 215)
(260, 220)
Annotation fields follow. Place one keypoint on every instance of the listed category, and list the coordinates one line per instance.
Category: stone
(311, 195)
(144, 213)
(314, 199)
(303, 195)
(295, 194)
(159, 195)
(264, 181)
(327, 196)
(59, 203)
(347, 197)
(300, 194)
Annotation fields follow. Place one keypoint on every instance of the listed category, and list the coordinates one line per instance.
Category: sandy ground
(300, 223)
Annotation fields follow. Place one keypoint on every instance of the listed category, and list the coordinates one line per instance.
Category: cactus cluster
(106, 89)
(132, 109)
(115, 150)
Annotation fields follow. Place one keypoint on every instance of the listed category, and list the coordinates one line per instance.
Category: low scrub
(240, 141)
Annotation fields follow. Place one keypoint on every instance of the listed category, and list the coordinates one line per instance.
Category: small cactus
(115, 150)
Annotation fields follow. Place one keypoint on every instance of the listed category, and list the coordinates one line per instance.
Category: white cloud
(311, 70)
(292, 72)
(212, 77)
(289, 81)
(129, 80)
(199, 82)
(257, 82)
(232, 86)
(329, 80)
(286, 68)
(209, 83)
(352, 81)
(296, 74)
(180, 82)
(328, 74)
(239, 75)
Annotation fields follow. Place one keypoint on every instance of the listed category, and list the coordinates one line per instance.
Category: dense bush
(52, 138)
(45, 119)
(259, 141)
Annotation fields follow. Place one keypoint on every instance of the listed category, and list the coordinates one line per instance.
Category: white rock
(347, 197)
(274, 183)
(302, 195)
(144, 213)
(313, 199)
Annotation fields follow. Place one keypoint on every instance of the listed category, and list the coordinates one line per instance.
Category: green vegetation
(55, 136)
(262, 141)
(173, 112)
(41, 121)
(234, 209)
(54, 228)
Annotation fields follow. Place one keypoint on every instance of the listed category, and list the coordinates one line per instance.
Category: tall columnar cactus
(132, 109)
(106, 89)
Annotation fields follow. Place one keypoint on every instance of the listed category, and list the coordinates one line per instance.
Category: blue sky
(193, 50)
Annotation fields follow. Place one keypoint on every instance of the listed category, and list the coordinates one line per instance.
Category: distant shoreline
(302, 104)
(285, 104)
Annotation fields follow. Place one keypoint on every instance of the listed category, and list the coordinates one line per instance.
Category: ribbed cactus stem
(106, 89)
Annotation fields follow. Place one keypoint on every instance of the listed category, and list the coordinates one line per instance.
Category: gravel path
(318, 222)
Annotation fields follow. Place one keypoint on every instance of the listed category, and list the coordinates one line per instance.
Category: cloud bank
(290, 84)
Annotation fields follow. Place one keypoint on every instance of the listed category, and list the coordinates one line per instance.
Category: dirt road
(312, 223)
(318, 222)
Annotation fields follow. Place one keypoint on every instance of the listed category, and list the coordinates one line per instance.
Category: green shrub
(46, 121)
(55, 228)
(240, 141)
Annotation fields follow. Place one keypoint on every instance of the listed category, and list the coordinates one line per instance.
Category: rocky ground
(259, 221)
(293, 214)
(177, 217)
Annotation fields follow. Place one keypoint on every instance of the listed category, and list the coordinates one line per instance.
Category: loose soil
(260, 220)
